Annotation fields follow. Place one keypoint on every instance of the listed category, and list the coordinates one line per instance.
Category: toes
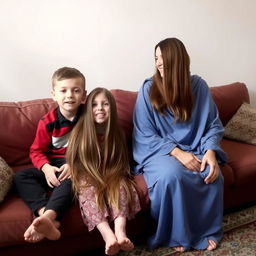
(179, 249)
(211, 245)
(126, 245)
(112, 249)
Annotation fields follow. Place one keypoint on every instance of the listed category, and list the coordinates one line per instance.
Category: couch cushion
(18, 123)
(242, 160)
(242, 126)
(15, 217)
(228, 175)
(229, 98)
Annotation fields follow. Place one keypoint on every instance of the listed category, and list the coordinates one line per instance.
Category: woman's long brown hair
(108, 169)
(174, 89)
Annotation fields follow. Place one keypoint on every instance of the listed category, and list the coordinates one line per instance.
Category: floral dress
(92, 215)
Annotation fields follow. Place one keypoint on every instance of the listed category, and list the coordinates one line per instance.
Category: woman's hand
(189, 160)
(210, 159)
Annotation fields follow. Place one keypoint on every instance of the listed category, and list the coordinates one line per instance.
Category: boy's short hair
(67, 73)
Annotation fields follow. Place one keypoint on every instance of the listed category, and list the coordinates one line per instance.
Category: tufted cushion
(6, 175)
(242, 126)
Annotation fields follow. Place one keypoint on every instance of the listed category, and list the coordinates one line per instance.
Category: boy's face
(69, 94)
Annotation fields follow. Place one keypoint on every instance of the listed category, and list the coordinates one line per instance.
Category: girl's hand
(65, 172)
(210, 159)
(189, 160)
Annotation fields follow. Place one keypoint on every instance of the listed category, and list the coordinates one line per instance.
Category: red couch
(18, 122)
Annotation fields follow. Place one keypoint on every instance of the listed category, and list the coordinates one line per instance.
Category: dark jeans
(34, 190)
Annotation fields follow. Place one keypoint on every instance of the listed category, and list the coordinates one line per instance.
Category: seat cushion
(242, 160)
(15, 217)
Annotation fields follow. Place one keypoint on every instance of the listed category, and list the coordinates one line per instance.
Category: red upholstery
(18, 126)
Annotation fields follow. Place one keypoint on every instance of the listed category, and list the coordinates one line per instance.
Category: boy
(47, 154)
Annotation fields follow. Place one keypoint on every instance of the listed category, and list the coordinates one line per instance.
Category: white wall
(112, 41)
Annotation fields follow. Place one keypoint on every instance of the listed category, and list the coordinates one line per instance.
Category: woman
(176, 145)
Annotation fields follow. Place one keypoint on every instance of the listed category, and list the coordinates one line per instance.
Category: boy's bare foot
(32, 236)
(211, 245)
(179, 248)
(47, 227)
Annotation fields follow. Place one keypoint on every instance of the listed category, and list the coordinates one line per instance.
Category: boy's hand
(65, 172)
(50, 176)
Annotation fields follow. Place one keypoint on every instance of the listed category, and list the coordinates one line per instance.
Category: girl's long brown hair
(174, 89)
(108, 169)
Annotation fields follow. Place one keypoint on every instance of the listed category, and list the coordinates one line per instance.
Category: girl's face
(100, 108)
(159, 61)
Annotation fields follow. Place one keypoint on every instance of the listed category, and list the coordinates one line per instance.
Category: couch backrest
(18, 120)
(229, 98)
(18, 123)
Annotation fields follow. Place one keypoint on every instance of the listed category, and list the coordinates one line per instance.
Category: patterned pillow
(242, 126)
(6, 175)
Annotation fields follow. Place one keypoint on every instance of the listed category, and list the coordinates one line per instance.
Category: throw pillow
(6, 175)
(242, 126)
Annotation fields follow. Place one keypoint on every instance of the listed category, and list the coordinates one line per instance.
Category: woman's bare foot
(211, 245)
(179, 248)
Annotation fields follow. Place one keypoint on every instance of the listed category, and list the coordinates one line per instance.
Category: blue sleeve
(147, 142)
(214, 129)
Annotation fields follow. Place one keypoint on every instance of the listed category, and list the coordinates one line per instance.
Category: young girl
(100, 171)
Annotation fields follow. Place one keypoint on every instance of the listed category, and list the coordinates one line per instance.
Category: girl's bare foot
(120, 232)
(124, 242)
(111, 244)
(179, 248)
(211, 245)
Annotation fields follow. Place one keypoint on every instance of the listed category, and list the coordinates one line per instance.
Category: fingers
(191, 162)
(213, 174)
(49, 183)
(64, 175)
(52, 181)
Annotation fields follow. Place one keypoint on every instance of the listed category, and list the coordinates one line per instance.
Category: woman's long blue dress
(188, 212)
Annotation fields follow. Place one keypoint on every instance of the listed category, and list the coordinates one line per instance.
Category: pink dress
(92, 216)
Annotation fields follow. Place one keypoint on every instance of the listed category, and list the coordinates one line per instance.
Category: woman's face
(100, 108)
(159, 61)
